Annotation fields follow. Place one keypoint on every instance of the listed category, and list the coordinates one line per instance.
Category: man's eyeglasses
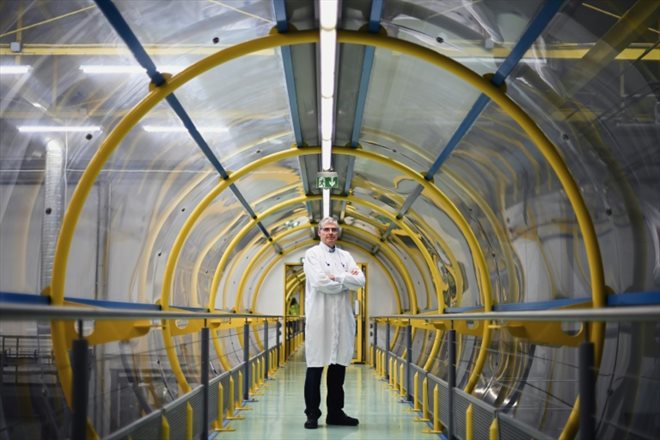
(329, 229)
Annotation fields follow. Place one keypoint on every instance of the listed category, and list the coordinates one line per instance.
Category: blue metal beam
(531, 34)
(367, 64)
(128, 36)
(282, 26)
(280, 16)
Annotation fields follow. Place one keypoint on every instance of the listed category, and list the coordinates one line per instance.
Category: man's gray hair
(327, 220)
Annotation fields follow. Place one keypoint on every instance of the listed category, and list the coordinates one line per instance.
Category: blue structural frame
(616, 299)
(128, 36)
(536, 26)
(365, 76)
(282, 26)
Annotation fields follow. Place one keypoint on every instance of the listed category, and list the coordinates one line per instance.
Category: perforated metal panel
(515, 430)
(149, 430)
(197, 402)
(176, 417)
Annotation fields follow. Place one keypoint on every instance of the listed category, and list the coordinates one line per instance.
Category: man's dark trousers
(335, 384)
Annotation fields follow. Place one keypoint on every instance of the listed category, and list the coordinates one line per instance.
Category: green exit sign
(327, 180)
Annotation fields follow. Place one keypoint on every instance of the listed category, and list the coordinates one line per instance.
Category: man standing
(329, 325)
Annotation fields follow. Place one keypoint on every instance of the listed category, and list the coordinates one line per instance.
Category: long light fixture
(105, 69)
(179, 129)
(326, 203)
(14, 69)
(58, 128)
(328, 46)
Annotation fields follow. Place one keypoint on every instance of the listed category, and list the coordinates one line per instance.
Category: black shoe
(311, 423)
(341, 419)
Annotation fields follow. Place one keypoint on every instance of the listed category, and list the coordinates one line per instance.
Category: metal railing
(385, 360)
(152, 423)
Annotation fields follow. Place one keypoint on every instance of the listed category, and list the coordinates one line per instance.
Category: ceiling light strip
(326, 203)
(179, 129)
(58, 128)
(328, 11)
(14, 69)
(109, 69)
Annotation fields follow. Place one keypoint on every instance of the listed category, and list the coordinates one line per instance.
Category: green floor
(278, 412)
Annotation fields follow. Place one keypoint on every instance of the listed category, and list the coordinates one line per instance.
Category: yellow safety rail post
(231, 411)
(494, 430)
(262, 376)
(468, 423)
(416, 392)
(436, 413)
(239, 399)
(219, 423)
(164, 428)
(393, 377)
(253, 376)
(425, 401)
(402, 384)
(189, 421)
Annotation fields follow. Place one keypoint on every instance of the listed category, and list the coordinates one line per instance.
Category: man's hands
(355, 271)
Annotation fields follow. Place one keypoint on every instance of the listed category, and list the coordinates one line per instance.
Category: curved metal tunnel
(485, 156)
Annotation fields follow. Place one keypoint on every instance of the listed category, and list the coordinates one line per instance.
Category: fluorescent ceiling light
(327, 105)
(328, 14)
(326, 203)
(486, 60)
(124, 68)
(328, 48)
(326, 154)
(328, 62)
(10, 69)
(58, 128)
(179, 129)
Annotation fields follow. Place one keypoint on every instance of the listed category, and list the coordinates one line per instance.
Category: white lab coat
(329, 319)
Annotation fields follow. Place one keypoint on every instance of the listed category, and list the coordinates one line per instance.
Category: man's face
(328, 234)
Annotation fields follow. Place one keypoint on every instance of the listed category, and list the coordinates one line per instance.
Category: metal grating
(510, 428)
(197, 402)
(149, 430)
(481, 421)
(176, 417)
(510, 432)
(443, 395)
(460, 406)
(213, 399)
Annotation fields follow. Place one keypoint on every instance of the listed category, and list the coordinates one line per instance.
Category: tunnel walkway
(278, 413)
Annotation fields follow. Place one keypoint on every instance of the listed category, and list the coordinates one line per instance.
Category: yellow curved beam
(204, 252)
(546, 148)
(241, 234)
(438, 281)
(265, 272)
(308, 243)
(394, 258)
(159, 93)
(88, 177)
(234, 242)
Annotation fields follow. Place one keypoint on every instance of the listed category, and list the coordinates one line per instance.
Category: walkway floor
(278, 412)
